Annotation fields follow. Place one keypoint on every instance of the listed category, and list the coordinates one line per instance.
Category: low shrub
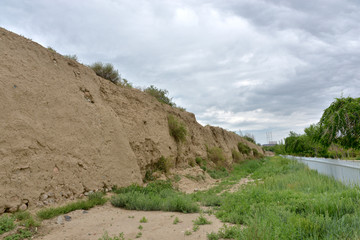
(177, 129)
(106, 71)
(160, 94)
(243, 148)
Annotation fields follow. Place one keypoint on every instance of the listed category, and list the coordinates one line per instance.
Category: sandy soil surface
(91, 225)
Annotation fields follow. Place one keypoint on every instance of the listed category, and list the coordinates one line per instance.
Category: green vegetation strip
(93, 200)
(290, 202)
(158, 195)
(24, 223)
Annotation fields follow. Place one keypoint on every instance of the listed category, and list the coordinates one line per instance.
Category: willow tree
(340, 123)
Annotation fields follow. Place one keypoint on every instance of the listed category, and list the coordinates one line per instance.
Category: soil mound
(65, 131)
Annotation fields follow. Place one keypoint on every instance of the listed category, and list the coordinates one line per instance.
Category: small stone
(2, 210)
(86, 193)
(60, 220)
(23, 207)
(13, 209)
(84, 212)
(44, 197)
(67, 218)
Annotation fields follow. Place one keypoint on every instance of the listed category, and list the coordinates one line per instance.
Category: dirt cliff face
(65, 131)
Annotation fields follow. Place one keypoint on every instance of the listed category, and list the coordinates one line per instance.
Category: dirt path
(92, 224)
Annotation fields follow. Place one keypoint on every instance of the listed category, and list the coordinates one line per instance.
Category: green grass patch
(218, 173)
(293, 202)
(106, 236)
(93, 200)
(158, 195)
(6, 224)
(19, 235)
(201, 220)
(176, 220)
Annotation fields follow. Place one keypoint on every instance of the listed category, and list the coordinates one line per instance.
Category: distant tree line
(336, 135)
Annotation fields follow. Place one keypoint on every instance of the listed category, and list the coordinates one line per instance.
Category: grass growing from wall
(177, 128)
(158, 195)
(293, 202)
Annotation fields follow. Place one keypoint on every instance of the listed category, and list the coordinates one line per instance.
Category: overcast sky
(252, 65)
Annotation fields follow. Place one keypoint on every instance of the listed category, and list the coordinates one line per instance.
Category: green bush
(160, 95)
(108, 72)
(177, 129)
(216, 155)
(199, 161)
(243, 148)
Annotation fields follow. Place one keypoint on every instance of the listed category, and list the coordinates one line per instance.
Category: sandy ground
(92, 224)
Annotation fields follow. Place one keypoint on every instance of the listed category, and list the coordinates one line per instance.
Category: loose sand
(93, 224)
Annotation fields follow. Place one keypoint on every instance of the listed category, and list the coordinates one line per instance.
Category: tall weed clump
(177, 129)
(164, 164)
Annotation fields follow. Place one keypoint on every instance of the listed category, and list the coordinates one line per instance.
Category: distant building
(270, 144)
